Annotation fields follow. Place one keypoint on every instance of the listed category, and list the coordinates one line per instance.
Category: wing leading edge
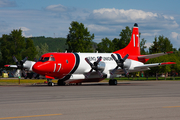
(153, 65)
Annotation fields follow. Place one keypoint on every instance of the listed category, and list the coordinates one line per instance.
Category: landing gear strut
(112, 82)
(50, 83)
(61, 83)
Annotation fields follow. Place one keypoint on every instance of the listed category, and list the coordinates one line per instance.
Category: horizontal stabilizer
(154, 55)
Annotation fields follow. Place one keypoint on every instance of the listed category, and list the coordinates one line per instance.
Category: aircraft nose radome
(36, 67)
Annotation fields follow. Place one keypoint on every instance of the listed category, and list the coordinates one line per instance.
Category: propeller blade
(94, 66)
(24, 73)
(15, 60)
(100, 74)
(13, 72)
(24, 60)
(120, 63)
(35, 75)
(113, 57)
(125, 71)
(35, 60)
(125, 57)
(88, 74)
(113, 71)
(99, 59)
(87, 60)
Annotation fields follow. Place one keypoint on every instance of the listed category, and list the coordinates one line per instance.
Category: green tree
(79, 38)
(30, 50)
(125, 37)
(115, 43)
(42, 49)
(143, 47)
(105, 46)
(165, 44)
(12, 44)
(161, 44)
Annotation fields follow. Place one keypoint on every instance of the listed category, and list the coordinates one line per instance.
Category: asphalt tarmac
(132, 100)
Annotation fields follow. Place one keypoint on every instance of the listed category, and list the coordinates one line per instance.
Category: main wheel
(61, 83)
(112, 82)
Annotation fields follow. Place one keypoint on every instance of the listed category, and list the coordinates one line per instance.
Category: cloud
(25, 32)
(148, 44)
(121, 16)
(24, 29)
(175, 35)
(131, 14)
(98, 28)
(57, 8)
(7, 3)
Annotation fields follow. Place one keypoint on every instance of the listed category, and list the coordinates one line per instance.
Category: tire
(112, 82)
(61, 83)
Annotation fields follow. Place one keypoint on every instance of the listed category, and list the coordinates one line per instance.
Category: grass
(10, 81)
(23, 81)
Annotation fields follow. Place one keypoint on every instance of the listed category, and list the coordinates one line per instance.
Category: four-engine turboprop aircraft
(94, 67)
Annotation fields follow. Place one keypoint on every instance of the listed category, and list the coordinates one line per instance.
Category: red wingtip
(170, 52)
(6, 65)
(168, 63)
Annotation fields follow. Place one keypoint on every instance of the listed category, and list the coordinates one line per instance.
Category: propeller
(20, 64)
(94, 66)
(120, 63)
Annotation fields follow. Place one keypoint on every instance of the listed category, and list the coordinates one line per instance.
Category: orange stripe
(29, 116)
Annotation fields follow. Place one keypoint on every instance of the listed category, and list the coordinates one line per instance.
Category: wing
(13, 66)
(153, 65)
(143, 67)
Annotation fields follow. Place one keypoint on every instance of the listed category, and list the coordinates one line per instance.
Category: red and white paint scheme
(94, 67)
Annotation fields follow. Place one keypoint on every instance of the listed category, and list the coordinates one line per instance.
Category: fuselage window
(66, 61)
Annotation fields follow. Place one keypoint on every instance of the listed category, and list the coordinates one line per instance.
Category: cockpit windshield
(44, 59)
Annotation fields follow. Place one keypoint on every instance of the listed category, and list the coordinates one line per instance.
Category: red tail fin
(133, 48)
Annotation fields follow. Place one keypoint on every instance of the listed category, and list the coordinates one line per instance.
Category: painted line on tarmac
(171, 107)
(5, 118)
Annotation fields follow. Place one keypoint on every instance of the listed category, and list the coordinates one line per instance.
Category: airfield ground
(129, 100)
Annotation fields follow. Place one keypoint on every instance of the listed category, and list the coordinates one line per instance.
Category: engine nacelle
(28, 65)
(127, 63)
(101, 66)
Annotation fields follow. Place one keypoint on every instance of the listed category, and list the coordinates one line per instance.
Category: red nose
(40, 68)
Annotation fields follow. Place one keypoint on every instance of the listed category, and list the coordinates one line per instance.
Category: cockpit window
(44, 59)
(51, 59)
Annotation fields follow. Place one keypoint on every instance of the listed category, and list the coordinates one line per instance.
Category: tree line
(79, 39)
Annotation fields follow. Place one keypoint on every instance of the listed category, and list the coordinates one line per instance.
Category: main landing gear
(61, 83)
(112, 82)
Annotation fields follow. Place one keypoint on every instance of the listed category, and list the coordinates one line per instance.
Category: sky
(104, 18)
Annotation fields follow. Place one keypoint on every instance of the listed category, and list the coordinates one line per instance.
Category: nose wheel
(50, 83)
(112, 82)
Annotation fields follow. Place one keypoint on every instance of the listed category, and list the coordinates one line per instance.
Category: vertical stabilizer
(133, 48)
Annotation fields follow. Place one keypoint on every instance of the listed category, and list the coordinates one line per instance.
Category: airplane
(94, 67)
